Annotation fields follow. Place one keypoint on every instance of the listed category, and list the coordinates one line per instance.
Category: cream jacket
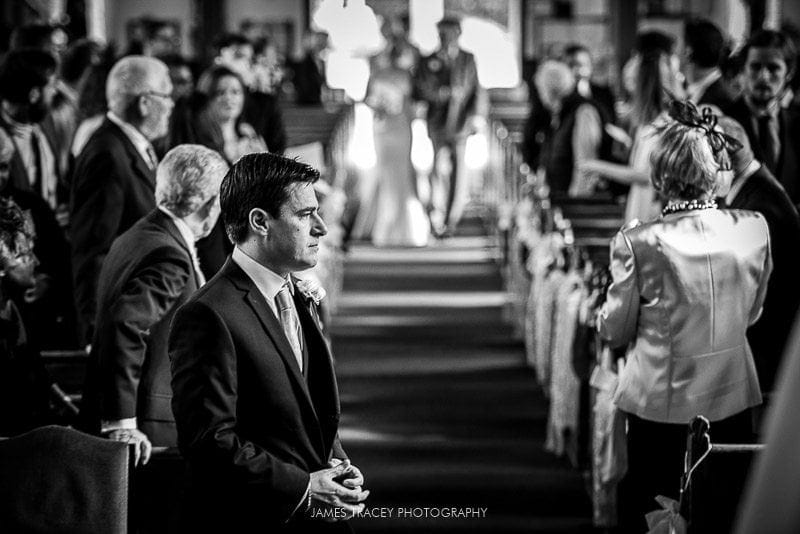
(685, 288)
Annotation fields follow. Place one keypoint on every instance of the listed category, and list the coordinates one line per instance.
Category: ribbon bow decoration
(687, 113)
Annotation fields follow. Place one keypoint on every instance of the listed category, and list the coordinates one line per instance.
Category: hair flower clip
(311, 290)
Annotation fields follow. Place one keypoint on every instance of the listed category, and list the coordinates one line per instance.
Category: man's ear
(34, 95)
(142, 107)
(259, 221)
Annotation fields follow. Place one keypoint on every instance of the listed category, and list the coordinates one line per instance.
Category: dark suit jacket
(111, 188)
(604, 98)
(250, 425)
(718, 94)
(768, 336)
(147, 275)
(447, 116)
(308, 80)
(787, 170)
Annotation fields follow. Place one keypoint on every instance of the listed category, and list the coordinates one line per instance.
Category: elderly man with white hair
(576, 134)
(149, 272)
(113, 181)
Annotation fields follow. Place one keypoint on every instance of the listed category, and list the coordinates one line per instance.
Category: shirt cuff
(120, 424)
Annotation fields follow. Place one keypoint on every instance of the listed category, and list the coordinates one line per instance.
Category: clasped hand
(142, 448)
(336, 492)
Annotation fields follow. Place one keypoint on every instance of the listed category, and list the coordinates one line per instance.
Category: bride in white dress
(399, 217)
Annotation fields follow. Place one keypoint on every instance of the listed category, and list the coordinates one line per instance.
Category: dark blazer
(111, 188)
(308, 80)
(147, 275)
(718, 94)
(446, 116)
(768, 336)
(250, 425)
(787, 170)
(604, 98)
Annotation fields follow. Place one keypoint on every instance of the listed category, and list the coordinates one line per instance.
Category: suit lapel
(273, 328)
(147, 175)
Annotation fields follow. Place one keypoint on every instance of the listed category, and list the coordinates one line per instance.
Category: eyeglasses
(168, 96)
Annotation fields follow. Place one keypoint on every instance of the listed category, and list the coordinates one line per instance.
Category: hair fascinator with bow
(686, 113)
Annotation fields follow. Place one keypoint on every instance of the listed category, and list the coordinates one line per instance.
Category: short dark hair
(449, 22)
(706, 41)
(772, 39)
(32, 36)
(23, 70)
(574, 48)
(12, 223)
(80, 55)
(260, 180)
(231, 39)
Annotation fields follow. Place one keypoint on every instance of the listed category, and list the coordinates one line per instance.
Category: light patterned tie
(290, 322)
(201, 279)
(151, 155)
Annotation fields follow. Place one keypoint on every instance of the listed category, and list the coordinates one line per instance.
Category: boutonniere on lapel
(434, 64)
(310, 290)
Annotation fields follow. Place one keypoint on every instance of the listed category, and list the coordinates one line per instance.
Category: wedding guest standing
(113, 182)
(685, 288)
(255, 395)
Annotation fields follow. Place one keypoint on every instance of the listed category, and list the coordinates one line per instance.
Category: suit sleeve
(204, 384)
(618, 317)
(122, 331)
(97, 203)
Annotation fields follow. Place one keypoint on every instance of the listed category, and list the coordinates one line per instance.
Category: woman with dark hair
(686, 286)
(657, 78)
(213, 118)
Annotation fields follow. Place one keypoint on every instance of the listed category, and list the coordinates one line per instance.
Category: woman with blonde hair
(685, 288)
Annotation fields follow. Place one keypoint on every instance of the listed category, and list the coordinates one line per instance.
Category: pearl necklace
(688, 205)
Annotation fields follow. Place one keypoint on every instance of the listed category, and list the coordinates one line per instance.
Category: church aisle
(439, 410)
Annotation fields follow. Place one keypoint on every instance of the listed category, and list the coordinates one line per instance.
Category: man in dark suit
(579, 59)
(255, 395)
(148, 273)
(773, 132)
(755, 188)
(447, 81)
(704, 50)
(114, 178)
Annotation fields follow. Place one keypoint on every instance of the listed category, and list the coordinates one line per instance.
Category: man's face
(765, 74)
(158, 106)
(292, 242)
(237, 57)
(448, 35)
(581, 64)
(19, 266)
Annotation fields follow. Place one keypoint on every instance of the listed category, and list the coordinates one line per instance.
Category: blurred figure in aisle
(398, 215)
(92, 104)
(774, 132)
(27, 87)
(659, 76)
(308, 72)
(576, 133)
(261, 73)
(161, 39)
(704, 50)
(114, 179)
(754, 188)
(579, 59)
(181, 76)
(62, 122)
(447, 81)
(47, 37)
(262, 106)
(217, 123)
